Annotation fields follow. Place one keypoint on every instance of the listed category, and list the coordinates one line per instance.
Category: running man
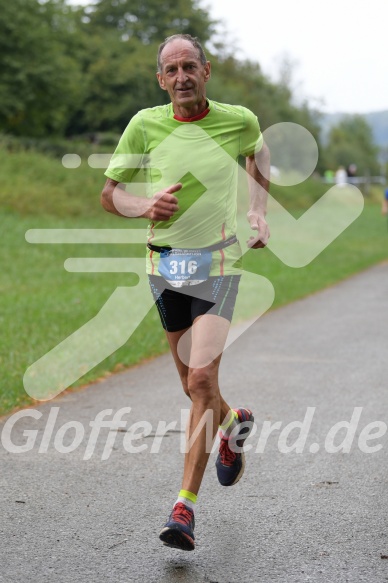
(193, 255)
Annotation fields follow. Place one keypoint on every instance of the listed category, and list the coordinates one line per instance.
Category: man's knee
(185, 385)
(202, 383)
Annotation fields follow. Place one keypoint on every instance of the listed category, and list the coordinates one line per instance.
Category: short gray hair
(192, 39)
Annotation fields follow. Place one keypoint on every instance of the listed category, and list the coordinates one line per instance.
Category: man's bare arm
(258, 169)
(161, 207)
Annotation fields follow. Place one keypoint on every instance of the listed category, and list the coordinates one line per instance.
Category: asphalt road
(315, 513)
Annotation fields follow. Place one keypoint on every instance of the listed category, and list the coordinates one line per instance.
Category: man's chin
(186, 101)
(184, 96)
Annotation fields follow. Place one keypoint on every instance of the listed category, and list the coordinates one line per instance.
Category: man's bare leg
(173, 339)
(203, 342)
(197, 353)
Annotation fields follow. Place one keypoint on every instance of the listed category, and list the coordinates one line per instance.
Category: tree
(150, 20)
(68, 70)
(117, 54)
(39, 82)
(351, 142)
(121, 80)
(234, 81)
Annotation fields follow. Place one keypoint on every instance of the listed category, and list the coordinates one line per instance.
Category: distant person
(384, 207)
(329, 176)
(190, 262)
(351, 171)
(341, 177)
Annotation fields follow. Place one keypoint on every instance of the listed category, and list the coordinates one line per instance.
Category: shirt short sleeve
(127, 159)
(251, 138)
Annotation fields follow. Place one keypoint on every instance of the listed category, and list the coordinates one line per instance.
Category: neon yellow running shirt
(203, 155)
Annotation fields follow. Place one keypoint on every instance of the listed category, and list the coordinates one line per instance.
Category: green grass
(363, 244)
(33, 184)
(41, 303)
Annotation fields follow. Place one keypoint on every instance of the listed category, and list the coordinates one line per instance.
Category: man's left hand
(259, 224)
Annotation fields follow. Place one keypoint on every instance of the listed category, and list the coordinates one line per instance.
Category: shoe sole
(176, 539)
(240, 474)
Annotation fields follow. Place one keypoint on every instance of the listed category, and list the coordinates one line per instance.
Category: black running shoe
(231, 464)
(178, 532)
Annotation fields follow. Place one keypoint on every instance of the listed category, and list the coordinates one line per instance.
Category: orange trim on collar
(194, 118)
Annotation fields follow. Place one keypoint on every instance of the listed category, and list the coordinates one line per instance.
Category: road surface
(312, 505)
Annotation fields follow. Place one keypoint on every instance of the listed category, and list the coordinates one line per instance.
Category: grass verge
(41, 303)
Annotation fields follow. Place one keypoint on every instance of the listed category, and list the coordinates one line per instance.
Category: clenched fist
(163, 205)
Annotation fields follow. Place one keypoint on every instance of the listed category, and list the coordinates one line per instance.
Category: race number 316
(183, 267)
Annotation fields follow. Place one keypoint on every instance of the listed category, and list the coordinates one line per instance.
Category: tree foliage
(68, 70)
(150, 20)
(351, 142)
(39, 82)
(72, 70)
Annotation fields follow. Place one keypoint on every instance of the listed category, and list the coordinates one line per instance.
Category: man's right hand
(163, 205)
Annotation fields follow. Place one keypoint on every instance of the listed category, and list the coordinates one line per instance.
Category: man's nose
(182, 75)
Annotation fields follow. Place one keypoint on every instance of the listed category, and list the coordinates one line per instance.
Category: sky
(338, 48)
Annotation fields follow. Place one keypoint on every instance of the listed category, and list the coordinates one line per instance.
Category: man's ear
(161, 81)
(207, 71)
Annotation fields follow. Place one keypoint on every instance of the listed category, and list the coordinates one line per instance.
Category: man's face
(183, 75)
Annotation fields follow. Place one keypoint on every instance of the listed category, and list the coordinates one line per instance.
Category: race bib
(181, 267)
